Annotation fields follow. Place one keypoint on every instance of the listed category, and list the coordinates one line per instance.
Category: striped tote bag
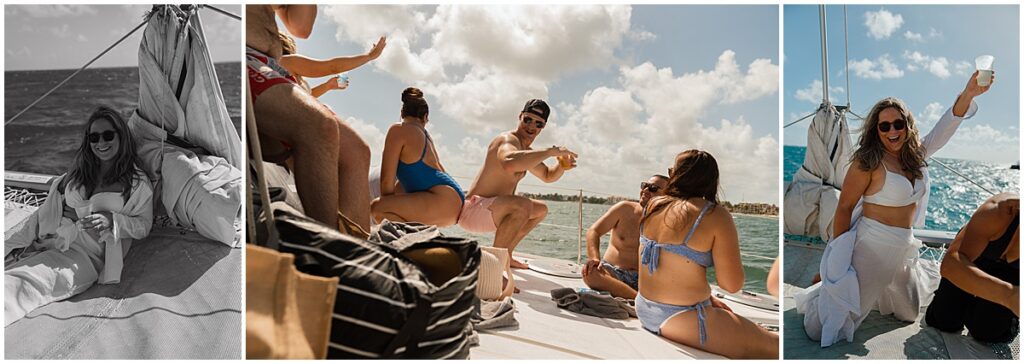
(412, 300)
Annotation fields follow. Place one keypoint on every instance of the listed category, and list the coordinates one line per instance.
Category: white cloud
(486, 99)
(608, 113)
(938, 66)
(913, 37)
(927, 118)
(642, 36)
(538, 41)
(640, 126)
(934, 33)
(814, 95)
(882, 67)
(983, 142)
(51, 11)
(881, 24)
(373, 136)
(964, 68)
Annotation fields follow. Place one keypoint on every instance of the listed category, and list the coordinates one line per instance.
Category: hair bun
(412, 95)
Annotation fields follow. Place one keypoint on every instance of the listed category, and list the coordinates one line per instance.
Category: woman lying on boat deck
(980, 286)
(873, 245)
(81, 234)
(681, 235)
(430, 196)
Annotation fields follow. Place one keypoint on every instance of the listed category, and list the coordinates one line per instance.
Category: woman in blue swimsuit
(681, 235)
(429, 195)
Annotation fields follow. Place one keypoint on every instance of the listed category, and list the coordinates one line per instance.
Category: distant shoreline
(742, 208)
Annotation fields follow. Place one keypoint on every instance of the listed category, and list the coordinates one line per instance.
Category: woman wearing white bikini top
(889, 173)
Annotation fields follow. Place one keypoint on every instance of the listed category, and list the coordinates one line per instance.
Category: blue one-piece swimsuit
(418, 176)
(653, 314)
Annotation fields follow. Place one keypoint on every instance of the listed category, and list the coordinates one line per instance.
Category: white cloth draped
(179, 95)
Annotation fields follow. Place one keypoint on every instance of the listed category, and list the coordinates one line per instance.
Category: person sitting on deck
(980, 286)
(430, 196)
(332, 162)
(492, 204)
(82, 233)
(682, 234)
(616, 271)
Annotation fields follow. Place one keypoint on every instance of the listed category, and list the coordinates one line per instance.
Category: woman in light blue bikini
(681, 235)
(430, 196)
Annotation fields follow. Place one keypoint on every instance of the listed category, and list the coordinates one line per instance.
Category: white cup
(984, 66)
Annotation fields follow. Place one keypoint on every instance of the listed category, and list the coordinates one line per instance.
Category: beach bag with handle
(410, 299)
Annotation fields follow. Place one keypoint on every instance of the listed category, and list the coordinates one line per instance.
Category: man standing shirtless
(616, 272)
(331, 161)
(492, 204)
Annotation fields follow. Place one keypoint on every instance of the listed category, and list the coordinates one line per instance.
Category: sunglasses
(897, 124)
(650, 187)
(538, 123)
(107, 136)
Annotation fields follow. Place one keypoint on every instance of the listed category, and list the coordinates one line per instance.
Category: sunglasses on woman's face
(897, 124)
(107, 136)
(649, 186)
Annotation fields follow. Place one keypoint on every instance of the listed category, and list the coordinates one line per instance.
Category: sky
(39, 37)
(923, 54)
(630, 87)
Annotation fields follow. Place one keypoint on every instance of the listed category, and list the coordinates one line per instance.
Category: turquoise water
(952, 199)
(758, 236)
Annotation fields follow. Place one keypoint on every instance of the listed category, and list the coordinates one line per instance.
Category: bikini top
(651, 248)
(897, 192)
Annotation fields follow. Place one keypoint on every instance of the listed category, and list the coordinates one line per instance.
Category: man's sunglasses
(650, 187)
(538, 123)
(898, 125)
(107, 136)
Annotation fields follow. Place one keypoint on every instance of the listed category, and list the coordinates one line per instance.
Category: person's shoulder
(507, 138)
(624, 207)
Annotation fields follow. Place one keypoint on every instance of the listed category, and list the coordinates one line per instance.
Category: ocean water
(759, 237)
(952, 199)
(44, 139)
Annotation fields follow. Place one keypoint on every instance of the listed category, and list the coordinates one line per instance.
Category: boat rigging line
(87, 64)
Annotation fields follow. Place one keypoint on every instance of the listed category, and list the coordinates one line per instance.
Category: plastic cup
(342, 79)
(984, 66)
(564, 162)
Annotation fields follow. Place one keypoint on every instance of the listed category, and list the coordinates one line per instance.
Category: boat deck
(546, 331)
(177, 290)
(879, 337)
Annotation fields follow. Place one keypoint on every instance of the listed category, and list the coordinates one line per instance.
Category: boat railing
(579, 203)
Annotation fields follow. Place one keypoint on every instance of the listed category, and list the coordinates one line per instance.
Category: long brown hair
(871, 150)
(695, 174)
(85, 172)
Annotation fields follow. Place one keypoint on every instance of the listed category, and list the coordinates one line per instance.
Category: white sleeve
(944, 129)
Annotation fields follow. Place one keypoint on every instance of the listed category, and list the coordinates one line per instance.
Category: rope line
(225, 13)
(77, 72)
(799, 120)
(968, 179)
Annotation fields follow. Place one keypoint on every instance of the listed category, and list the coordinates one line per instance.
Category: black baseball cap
(538, 107)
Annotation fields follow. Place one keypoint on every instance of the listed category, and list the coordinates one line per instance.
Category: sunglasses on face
(897, 124)
(107, 136)
(538, 123)
(653, 188)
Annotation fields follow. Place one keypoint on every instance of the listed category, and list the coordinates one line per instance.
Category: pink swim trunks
(476, 215)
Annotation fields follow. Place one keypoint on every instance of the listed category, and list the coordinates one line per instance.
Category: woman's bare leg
(728, 334)
(439, 206)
